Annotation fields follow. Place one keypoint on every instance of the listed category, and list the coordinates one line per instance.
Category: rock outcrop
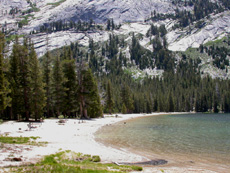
(214, 28)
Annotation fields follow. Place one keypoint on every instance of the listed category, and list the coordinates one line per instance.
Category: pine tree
(90, 104)
(124, 109)
(37, 92)
(170, 103)
(155, 105)
(71, 104)
(148, 105)
(215, 103)
(47, 80)
(4, 85)
(109, 97)
(16, 94)
(24, 76)
(108, 24)
(58, 90)
(112, 24)
(127, 99)
(20, 79)
(81, 89)
(160, 103)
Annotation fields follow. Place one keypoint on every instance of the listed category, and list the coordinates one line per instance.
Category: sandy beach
(78, 136)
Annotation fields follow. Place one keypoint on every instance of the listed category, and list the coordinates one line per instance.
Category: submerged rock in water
(151, 162)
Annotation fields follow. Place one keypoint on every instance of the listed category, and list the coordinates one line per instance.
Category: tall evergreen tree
(90, 104)
(47, 62)
(170, 102)
(127, 98)
(16, 94)
(37, 92)
(58, 89)
(20, 79)
(94, 100)
(81, 90)
(124, 109)
(24, 76)
(215, 103)
(71, 104)
(108, 24)
(4, 85)
(109, 97)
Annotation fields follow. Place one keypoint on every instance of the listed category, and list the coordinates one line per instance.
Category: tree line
(79, 26)
(182, 90)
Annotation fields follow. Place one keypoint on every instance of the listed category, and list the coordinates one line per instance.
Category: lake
(193, 139)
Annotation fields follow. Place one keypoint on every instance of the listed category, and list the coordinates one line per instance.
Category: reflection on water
(202, 137)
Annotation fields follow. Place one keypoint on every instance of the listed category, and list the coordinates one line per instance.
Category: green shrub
(96, 159)
(61, 117)
(22, 23)
(49, 160)
(137, 168)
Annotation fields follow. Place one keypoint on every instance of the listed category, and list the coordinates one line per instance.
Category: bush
(137, 168)
(96, 159)
(60, 116)
(49, 160)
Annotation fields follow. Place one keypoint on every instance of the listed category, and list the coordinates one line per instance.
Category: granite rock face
(214, 28)
(129, 13)
(98, 10)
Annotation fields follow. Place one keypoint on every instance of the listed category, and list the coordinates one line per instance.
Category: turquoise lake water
(203, 138)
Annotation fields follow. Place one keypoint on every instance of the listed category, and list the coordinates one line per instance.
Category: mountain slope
(98, 10)
(34, 18)
(216, 27)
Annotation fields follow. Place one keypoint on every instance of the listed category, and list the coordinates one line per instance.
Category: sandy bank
(74, 135)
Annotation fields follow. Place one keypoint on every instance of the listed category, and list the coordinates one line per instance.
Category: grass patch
(56, 3)
(32, 9)
(26, 17)
(68, 161)
(13, 37)
(216, 42)
(14, 140)
(21, 140)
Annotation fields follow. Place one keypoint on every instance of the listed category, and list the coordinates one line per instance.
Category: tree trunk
(110, 110)
(26, 104)
(83, 109)
(11, 113)
(36, 112)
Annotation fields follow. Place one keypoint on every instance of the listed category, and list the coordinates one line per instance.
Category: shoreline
(178, 163)
(78, 137)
